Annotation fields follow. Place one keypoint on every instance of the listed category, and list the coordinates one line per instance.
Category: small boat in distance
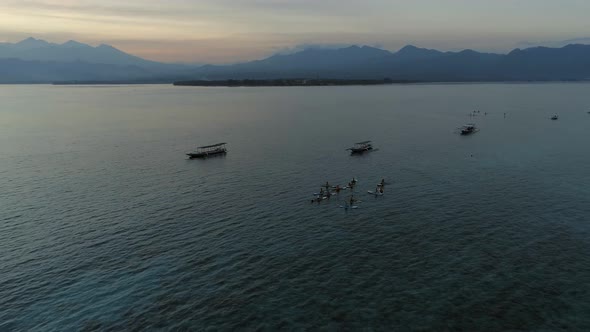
(208, 150)
(468, 129)
(361, 147)
(555, 117)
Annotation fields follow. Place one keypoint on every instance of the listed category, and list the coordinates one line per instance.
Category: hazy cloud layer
(235, 30)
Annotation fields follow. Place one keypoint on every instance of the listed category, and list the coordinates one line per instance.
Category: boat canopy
(211, 146)
(361, 143)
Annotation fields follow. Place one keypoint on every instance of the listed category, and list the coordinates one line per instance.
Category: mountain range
(40, 50)
(37, 61)
(411, 63)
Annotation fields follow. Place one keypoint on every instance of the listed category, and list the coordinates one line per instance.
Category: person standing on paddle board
(352, 200)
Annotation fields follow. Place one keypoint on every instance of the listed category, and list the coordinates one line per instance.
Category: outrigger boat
(468, 129)
(208, 150)
(361, 147)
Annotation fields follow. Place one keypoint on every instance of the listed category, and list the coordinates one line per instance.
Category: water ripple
(105, 226)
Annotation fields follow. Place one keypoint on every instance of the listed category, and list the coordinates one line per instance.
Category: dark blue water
(105, 224)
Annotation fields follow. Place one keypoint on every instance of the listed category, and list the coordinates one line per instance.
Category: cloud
(249, 28)
(301, 47)
(554, 43)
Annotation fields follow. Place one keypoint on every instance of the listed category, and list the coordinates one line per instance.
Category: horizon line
(303, 47)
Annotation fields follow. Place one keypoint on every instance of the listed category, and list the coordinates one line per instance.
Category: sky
(225, 31)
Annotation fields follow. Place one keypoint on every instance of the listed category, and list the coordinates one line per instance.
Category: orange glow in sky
(221, 31)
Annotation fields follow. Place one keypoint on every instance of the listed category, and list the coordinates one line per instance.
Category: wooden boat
(468, 129)
(208, 151)
(361, 147)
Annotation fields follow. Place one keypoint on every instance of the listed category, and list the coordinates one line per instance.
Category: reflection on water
(105, 223)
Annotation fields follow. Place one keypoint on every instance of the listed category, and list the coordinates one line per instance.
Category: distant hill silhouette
(38, 61)
(411, 63)
(23, 71)
(39, 50)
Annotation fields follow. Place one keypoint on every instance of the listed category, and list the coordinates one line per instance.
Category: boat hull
(202, 155)
(360, 151)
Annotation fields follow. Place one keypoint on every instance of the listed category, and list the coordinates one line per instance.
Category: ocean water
(105, 225)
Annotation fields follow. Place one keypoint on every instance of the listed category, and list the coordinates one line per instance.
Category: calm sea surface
(104, 224)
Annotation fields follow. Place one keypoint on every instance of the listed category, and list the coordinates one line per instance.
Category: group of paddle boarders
(327, 191)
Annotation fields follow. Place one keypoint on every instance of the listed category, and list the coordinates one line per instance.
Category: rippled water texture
(105, 224)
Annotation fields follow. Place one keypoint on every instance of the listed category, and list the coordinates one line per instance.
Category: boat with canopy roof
(208, 151)
(361, 147)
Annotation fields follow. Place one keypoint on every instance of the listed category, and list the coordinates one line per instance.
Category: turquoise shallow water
(105, 224)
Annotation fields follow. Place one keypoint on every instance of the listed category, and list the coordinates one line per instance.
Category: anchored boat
(208, 151)
(468, 129)
(361, 147)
